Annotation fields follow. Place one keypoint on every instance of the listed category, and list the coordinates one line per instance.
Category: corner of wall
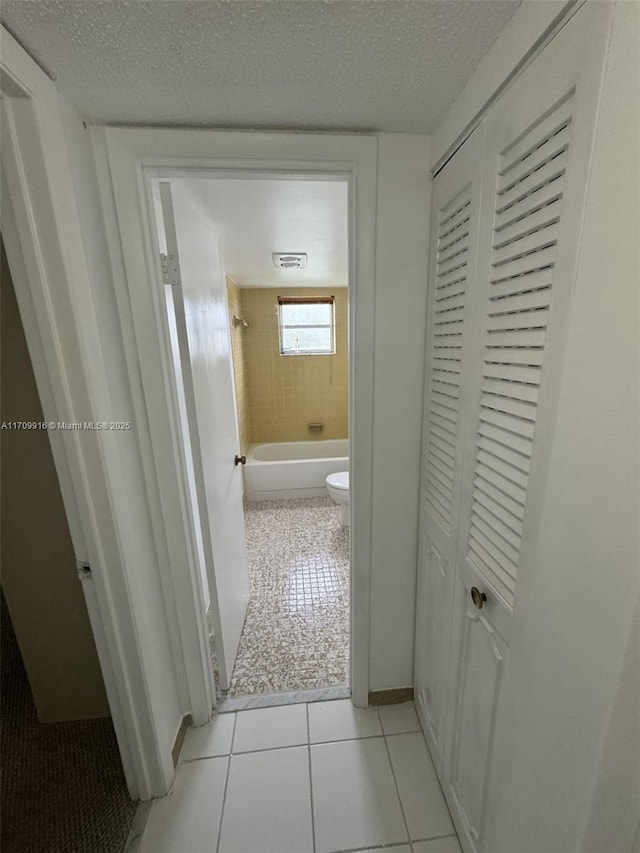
(404, 202)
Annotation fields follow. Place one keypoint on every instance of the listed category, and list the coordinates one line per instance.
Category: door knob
(240, 460)
(478, 597)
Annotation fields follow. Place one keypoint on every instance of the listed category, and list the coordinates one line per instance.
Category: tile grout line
(395, 845)
(395, 782)
(413, 841)
(284, 746)
(313, 822)
(226, 785)
(436, 838)
(292, 746)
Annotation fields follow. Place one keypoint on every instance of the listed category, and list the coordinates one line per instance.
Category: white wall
(403, 206)
(572, 642)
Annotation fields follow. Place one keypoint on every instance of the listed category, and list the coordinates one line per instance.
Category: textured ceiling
(378, 65)
(253, 218)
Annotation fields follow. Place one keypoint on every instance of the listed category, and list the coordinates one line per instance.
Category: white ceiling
(376, 65)
(254, 218)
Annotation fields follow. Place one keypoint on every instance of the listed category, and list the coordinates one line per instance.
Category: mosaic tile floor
(296, 634)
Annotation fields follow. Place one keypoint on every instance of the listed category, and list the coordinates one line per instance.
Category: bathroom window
(307, 325)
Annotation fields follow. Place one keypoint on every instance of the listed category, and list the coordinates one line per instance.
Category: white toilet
(338, 488)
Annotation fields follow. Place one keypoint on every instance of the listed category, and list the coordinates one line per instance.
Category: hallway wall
(402, 246)
(39, 578)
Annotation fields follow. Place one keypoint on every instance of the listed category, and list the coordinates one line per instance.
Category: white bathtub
(293, 469)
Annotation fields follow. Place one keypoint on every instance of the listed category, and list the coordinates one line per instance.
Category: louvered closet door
(539, 138)
(456, 199)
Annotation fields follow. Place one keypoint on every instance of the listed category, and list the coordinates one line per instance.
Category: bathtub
(293, 469)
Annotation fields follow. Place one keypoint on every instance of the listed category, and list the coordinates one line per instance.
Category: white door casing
(535, 171)
(199, 301)
(126, 159)
(54, 286)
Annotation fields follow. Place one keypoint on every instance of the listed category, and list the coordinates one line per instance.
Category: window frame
(307, 300)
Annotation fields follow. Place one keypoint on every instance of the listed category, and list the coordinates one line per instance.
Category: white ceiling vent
(289, 260)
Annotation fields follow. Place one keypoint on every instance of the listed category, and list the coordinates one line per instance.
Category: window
(307, 325)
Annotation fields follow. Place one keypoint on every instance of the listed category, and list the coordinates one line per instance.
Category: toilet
(338, 488)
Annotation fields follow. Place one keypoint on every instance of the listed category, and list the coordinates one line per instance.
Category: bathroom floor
(296, 634)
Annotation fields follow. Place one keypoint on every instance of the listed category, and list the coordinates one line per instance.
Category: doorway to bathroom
(255, 279)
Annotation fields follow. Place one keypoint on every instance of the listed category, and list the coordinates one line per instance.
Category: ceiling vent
(289, 260)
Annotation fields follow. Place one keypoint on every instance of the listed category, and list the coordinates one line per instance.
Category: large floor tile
(438, 845)
(339, 720)
(422, 800)
(267, 728)
(187, 820)
(398, 719)
(207, 741)
(268, 803)
(355, 803)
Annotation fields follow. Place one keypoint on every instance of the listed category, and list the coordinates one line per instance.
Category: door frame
(126, 158)
(196, 524)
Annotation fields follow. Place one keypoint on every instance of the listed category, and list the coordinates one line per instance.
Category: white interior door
(451, 307)
(203, 337)
(535, 171)
(506, 229)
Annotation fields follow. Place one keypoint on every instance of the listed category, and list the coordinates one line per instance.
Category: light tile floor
(296, 634)
(308, 778)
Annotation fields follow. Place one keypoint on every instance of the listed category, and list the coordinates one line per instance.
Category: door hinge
(84, 570)
(170, 270)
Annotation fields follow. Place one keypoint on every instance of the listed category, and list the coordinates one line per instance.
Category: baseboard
(286, 494)
(180, 735)
(391, 697)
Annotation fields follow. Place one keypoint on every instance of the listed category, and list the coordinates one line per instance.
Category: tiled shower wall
(286, 393)
(238, 338)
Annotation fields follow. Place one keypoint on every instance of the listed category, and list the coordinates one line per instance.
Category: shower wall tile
(286, 393)
(238, 336)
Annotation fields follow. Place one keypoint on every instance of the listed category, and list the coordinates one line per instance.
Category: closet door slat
(506, 438)
(540, 155)
(528, 224)
(559, 118)
(526, 244)
(506, 388)
(539, 179)
(520, 302)
(545, 195)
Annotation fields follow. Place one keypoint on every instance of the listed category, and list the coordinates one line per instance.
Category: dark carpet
(63, 789)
